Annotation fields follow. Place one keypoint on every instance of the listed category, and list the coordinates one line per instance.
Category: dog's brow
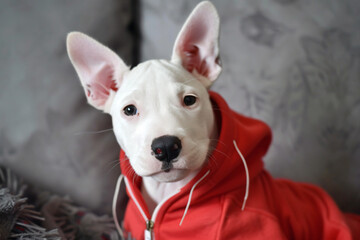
(184, 87)
(131, 95)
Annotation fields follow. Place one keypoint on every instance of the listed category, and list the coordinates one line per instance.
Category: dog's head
(161, 111)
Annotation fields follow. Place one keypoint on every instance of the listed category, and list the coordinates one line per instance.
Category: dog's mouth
(171, 174)
(166, 166)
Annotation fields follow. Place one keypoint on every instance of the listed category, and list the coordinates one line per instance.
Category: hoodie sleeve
(310, 212)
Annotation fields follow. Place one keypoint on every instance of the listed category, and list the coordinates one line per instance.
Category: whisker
(213, 164)
(111, 162)
(224, 154)
(131, 172)
(112, 168)
(217, 140)
(110, 165)
(93, 132)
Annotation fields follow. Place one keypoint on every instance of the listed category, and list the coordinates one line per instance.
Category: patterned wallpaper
(295, 65)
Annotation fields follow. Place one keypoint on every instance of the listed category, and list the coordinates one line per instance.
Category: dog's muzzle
(166, 149)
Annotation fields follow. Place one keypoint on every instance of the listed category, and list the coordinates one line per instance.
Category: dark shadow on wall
(45, 122)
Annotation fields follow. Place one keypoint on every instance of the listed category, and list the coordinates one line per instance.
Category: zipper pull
(149, 230)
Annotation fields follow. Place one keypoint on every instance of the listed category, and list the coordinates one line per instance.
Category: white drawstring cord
(116, 195)
(191, 191)
(190, 195)
(135, 200)
(247, 176)
(246, 191)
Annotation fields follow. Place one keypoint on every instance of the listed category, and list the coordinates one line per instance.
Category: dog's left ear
(100, 70)
(196, 47)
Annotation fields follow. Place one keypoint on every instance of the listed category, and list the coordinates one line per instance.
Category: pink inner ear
(192, 57)
(98, 88)
(197, 44)
(192, 60)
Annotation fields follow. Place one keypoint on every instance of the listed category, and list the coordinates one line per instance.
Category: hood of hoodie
(224, 169)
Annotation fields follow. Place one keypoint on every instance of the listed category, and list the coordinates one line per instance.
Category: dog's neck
(155, 192)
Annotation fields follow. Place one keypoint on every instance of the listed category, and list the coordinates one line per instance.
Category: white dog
(180, 145)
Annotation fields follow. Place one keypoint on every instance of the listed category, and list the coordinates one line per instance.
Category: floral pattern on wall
(331, 77)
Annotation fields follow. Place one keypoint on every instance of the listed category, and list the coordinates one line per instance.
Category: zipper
(149, 231)
(149, 225)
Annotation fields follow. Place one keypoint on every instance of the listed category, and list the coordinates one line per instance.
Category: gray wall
(43, 111)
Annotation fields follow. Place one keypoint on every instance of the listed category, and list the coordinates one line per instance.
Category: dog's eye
(130, 110)
(189, 100)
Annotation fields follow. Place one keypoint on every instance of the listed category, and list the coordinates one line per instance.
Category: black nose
(166, 148)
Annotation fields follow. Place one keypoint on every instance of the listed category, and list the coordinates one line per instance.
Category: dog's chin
(172, 175)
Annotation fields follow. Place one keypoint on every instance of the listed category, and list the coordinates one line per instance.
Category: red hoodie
(214, 205)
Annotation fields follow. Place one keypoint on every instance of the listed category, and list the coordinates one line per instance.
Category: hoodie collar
(252, 138)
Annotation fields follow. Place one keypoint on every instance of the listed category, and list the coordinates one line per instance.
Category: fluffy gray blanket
(29, 213)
